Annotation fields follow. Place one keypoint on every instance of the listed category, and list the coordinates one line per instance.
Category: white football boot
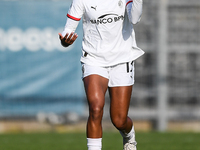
(130, 144)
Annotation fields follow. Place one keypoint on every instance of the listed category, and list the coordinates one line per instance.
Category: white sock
(129, 136)
(94, 143)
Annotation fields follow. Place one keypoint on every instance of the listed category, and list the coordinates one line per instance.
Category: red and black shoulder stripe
(129, 2)
(73, 18)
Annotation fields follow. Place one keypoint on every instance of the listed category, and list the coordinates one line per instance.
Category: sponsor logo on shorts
(83, 69)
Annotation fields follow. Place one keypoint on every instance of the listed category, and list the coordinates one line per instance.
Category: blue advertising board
(36, 72)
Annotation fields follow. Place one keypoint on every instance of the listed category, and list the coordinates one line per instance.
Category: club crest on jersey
(120, 3)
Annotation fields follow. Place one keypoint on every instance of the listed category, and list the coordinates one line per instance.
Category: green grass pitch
(111, 141)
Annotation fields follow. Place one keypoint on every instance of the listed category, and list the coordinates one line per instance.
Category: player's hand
(68, 39)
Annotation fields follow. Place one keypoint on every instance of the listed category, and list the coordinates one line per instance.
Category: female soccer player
(109, 50)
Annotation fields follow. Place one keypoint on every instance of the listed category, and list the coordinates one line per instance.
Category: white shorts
(118, 75)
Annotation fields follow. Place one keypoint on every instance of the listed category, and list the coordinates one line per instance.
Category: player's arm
(68, 36)
(134, 10)
(74, 15)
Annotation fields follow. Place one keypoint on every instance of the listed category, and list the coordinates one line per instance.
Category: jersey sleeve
(134, 10)
(74, 15)
(76, 10)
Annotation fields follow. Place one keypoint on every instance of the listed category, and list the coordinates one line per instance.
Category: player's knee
(96, 109)
(96, 104)
(119, 122)
(95, 113)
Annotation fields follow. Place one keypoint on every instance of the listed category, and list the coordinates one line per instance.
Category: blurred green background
(111, 141)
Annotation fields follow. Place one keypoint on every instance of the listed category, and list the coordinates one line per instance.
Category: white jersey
(108, 34)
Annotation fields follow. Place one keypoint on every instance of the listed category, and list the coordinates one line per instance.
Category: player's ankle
(129, 136)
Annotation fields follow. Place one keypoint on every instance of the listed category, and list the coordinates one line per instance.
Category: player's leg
(95, 88)
(119, 106)
(120, 89)
(120, 100)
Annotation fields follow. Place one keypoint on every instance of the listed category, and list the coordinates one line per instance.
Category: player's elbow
(135, 20)
(135, 15)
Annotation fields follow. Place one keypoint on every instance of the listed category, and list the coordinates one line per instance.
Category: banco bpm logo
(32, 39)
(107, 18)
